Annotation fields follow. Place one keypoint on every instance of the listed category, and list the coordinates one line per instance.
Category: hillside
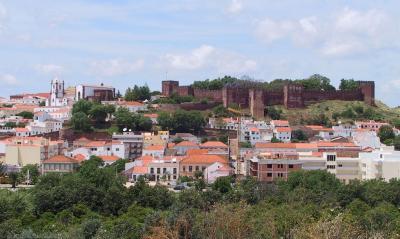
(336, 110)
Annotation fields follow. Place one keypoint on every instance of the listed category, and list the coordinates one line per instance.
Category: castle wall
(185, 90)
(215, 95)
(273, 97)
(235, 95)
(315, 95)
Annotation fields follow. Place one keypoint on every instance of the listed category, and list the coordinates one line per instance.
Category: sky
(123, 43)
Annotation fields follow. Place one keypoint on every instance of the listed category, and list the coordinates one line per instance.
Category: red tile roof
(185, 144)
(213, 144)
(60, 159)
(154, 147)
(204, 159)
(109, 158)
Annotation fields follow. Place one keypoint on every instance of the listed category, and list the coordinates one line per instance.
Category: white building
(383, 163)
(57, 94)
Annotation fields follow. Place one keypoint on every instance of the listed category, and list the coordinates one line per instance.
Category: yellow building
(21, 151)
(161, 138)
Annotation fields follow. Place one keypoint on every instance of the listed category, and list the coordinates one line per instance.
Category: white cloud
(8, 79)
(346, 33)
(210, 57)
(370, 22)
(235, 6)
(300, 31)
(51, 69)
(197, 58)
(115, 67)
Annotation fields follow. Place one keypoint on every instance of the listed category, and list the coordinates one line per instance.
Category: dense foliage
(93, 203)
(181, 121)
(138, 93)
(136, 122)
(25, 114)
(349, 84)
(215, 84)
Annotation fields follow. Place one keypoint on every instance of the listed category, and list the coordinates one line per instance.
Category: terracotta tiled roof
(283, 129)
(130, 103)
(154, 147)
(287, 145)
(109, 157)
(80, 157)
(60, 159)
(280, 122)
(213, 144)
(335, 144)
(185, 144)
(204, 159)
(21, 130)
(196, 151)
(96, 144)
(150, 115)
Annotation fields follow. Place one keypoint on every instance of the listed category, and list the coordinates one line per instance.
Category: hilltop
(337, 110)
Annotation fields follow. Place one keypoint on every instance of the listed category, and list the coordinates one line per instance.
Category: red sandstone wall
(215, 95)
(273, 97)
(185, 90)
(312, 95)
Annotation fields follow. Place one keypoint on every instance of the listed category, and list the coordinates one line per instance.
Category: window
(184, 168)
(164, 170)
(269, 165)
(158, 170)
(190, 168)
(330, 167)
(197, 168)
(331, 158)
(151, 170)
(269, 175)
(203, 168)
(290, 165)
(117, 149)
(174, 171)
(280, 165)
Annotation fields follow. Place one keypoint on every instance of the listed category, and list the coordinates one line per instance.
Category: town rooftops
(204, 159)
(154, 147)
(130, 103)
(60, 159)
(286, 145)
(280, 123)
(186, 144)
(283, 129)
(213, 144)
(109, 158)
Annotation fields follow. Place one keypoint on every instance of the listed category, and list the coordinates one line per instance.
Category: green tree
(82, 106)
(32, 170)
(274, 113)
(99, 113)
(80, 122)
(25, 114)
(164, 120)
(299, 135)
(222, 184)
(124, 118)
(349, 84)
(138, 93)
(386, 133)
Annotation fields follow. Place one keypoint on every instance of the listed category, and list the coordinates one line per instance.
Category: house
(383, 163)
(216, 170)
(182, 147)
(109, 159)
(270, 167)
(133, 143)
(132, 106)
(21, 151)
(59, 164)
(280, 123)
(284, 134)
(370, 125)
(192, 163)
(150, 138)
(137, 168)
(166, 169)
(215, 147)
(156, 151)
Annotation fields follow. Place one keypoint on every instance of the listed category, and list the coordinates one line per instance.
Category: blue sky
(122, 43)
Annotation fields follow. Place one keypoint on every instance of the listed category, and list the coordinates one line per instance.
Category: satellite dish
(124, 129)
(130, 130)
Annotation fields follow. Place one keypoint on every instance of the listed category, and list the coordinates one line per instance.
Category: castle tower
(293, 96)
(256, 102)
(368, 90)
(169, 87)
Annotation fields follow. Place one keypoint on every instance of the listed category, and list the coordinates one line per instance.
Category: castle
(257, 98)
